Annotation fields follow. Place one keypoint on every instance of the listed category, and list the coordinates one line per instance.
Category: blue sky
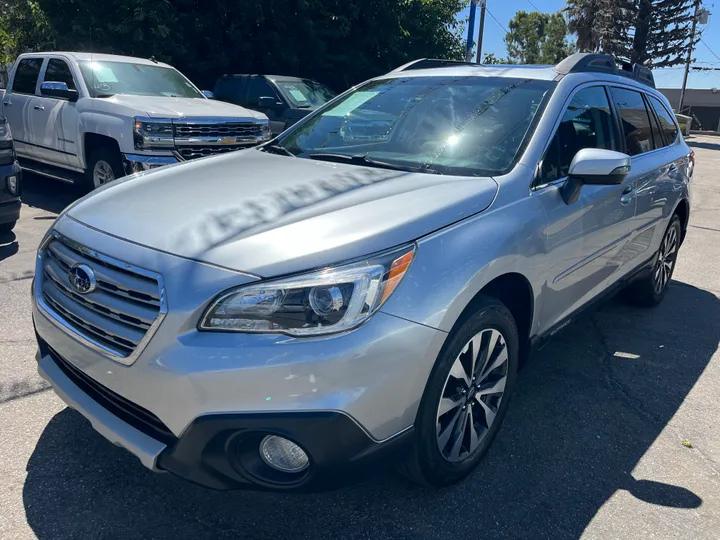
(504, 10)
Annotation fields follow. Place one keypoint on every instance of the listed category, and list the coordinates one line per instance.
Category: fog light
(12, 185)
(283, 455)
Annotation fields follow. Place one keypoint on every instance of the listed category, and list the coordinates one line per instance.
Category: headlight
(266, 131)
(153, 133)
(322, 302)
(7, 151)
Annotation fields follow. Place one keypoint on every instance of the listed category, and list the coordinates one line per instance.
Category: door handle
(7, 103)
(39, 108)
(627, 195)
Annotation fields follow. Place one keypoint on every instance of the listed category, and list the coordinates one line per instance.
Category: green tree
(490, 58)
(652, 32)
(537, 38)
(339, 42)
(23, 28)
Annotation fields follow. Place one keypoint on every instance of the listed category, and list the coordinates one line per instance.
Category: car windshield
(470, 126)
(108, 78)
(306, 93)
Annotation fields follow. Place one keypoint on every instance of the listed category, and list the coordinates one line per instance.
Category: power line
(533, 5)
(708, 48)
(496, 21)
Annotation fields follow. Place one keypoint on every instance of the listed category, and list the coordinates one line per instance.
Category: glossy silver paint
(212, 224)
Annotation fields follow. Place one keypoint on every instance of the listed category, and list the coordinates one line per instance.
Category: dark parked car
(9, 180)
(285, 100)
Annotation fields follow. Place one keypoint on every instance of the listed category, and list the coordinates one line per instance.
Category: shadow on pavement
(48, 194)
(706, 145)
(586, 409)
(8, 245)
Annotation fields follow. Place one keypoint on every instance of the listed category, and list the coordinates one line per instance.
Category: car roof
(98, 57)
(540, 72)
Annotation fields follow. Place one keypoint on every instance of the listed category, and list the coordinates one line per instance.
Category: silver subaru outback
(364, 287)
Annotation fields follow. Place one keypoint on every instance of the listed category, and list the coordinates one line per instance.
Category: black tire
(426, 464)
(7, 227)
(106, 154)
(645, 291)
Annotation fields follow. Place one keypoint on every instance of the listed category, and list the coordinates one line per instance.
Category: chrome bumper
(133, 163)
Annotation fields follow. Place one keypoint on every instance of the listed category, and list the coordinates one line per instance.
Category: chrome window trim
(68, 329)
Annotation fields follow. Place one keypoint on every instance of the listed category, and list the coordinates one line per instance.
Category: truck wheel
(7, 227)
(466, 397)
(104, 166)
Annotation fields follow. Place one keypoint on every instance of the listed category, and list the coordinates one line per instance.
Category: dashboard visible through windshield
(475, 126)
(108, 78)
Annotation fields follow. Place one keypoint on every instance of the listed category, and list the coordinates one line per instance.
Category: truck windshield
(306, 93)
(108, 78)
(470, 126)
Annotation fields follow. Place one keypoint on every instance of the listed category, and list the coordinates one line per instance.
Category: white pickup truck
(90, 118)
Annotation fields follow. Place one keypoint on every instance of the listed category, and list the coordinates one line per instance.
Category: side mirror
(58, 90)
(208, 94)
(594, 166)
(267, 102)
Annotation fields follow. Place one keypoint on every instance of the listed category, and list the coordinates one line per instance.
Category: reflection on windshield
(107, 78)
(454, 125)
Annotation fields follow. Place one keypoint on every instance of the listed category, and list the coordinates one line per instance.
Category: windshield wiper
(277, 149)
(362, 159)
(104, 95)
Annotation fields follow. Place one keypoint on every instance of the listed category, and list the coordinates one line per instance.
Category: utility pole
(480, 31)
(471, 31)
(689, 55)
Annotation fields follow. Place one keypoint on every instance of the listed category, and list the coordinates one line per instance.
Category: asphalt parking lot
(613, 431)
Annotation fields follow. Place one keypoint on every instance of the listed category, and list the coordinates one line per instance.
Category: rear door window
(634, 119)
(586, 123)
(655, 127)
(668, 124)
(229, 89)
(26, 75)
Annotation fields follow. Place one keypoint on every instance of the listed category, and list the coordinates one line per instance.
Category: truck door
(55, 120)
(17, 104)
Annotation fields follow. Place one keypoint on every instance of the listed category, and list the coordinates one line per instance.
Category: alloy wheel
(102, 173)
(666, 260)
(472, 395)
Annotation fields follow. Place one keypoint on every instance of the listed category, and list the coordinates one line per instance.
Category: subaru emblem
(82, 279)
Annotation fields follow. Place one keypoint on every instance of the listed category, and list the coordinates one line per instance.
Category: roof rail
(604, 63)
(428, 63)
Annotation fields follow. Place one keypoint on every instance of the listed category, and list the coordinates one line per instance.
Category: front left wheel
(466, 397)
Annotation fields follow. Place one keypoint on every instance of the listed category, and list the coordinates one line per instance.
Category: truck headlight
(7, 151)
(153, 133)
(322, 302)
(266, 131)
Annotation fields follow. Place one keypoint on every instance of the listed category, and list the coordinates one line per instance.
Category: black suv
(9, 180)
(284, 100)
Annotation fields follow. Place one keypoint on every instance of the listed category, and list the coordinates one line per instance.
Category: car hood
(270, 215)
(170, 107)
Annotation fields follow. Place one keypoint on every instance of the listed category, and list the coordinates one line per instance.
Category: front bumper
(345, 399)
(10, 201)
(220, 451)
(134, 163)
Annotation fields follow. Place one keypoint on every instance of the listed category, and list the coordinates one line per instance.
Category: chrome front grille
(192, 152)
(118, 316)
(220, 130)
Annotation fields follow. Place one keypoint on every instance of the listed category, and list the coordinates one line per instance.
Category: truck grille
(118, 313)
(227, 129)
(192, 152)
